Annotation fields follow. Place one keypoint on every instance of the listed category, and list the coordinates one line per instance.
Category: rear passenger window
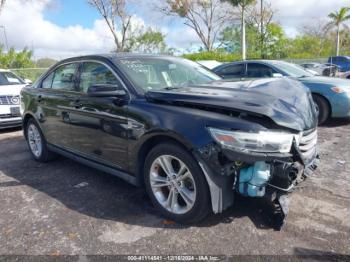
(47, 83)
(232, 70)
(259, 71)
(65, 77)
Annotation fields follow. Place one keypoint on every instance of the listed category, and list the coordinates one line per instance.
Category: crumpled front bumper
(218, 165)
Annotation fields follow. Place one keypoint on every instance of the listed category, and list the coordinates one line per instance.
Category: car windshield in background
(291, 69)
(165, 73)
(8, 78)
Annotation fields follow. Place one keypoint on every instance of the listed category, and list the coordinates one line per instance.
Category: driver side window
(96, 74)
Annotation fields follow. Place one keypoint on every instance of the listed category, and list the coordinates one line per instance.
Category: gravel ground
(65, 208)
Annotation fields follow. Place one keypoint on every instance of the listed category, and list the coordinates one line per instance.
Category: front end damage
(271, 176)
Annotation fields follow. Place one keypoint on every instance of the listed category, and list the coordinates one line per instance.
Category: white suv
(10, 88)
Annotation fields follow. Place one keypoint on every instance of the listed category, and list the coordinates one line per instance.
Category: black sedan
(174, 127)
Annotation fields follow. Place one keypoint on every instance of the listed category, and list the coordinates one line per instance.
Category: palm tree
(242, 4)
(338, 19)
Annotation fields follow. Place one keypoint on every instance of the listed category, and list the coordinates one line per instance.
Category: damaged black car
(193, 140)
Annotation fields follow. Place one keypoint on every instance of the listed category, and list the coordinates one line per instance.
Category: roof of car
(113, 56)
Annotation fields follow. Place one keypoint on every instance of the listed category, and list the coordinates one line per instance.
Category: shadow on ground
(96, 194)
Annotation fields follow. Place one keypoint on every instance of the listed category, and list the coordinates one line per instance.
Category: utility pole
(5, 36)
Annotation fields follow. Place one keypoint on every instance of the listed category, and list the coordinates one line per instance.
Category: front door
(99, 125)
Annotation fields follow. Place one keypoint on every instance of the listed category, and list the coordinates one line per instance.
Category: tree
(338, 18)
(116, 16)
(242, 5)
(151, 41)
(13, 59)
(45, 62)
(317, 34)
(205, 17)
(261, 17)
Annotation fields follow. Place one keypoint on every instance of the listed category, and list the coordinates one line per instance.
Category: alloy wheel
(172, 184)
(35, 141)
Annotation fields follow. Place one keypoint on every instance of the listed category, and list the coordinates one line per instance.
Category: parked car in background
(174, 127)
(331, 95)
(345, 75)
(10, 88)
(343, 62)
(321, 69)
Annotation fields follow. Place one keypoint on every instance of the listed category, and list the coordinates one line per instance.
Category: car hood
(338, 82)
(10, 90)
(288, 103)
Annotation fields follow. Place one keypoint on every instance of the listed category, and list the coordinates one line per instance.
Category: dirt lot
(66, 208)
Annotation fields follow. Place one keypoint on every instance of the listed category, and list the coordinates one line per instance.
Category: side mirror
(277, 75)
(28, 81)
(105, 91)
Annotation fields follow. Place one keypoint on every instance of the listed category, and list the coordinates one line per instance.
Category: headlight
(261, 142)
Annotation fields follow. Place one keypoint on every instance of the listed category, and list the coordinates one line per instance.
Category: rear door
(99, 125)
(57, 91)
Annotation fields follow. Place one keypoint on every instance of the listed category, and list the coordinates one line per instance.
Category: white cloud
(26, 27)
(294, 14)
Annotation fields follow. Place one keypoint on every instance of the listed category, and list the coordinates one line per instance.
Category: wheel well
(348, 77)
(25, 121)
(148, 146)
(327, 101)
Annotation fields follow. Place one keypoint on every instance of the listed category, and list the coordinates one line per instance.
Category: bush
(212, 55)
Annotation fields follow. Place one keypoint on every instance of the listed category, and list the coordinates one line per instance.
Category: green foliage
(14, 59)
(307, 46)
(20, 62)
(45, 62)
(151, 41)
(274, 44)
(213, 55)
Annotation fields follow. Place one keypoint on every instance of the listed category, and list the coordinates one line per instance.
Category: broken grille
(9, 100)
(307, 145)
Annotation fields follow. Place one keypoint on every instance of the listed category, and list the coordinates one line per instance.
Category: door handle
(77, 104)
(39, 98)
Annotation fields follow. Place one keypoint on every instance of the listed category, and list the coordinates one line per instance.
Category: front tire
(322, 107)
(37, 143)
(176, 184)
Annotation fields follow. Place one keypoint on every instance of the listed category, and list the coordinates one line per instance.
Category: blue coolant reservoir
(253, 179)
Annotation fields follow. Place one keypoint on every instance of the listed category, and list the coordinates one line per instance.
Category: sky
(63, 28)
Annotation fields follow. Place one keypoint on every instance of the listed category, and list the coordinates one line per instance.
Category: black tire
(202, 203)
(45, 154)
(322, 107)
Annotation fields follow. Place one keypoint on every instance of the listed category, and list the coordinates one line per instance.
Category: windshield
(9, 78)
(157, 73)
(292, 70)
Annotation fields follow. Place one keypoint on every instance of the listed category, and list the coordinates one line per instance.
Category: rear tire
(37, 143)
(322, 107)
(170, 172)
